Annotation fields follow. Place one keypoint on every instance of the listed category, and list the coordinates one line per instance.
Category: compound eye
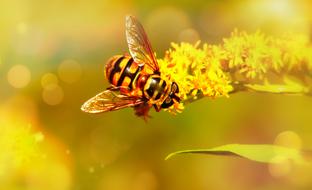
(174, 88)
(168, 100)
(167, 103)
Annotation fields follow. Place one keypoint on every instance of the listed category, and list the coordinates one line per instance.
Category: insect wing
(139, 45)
(109, 100)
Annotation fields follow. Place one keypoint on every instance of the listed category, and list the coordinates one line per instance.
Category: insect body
(135, 80)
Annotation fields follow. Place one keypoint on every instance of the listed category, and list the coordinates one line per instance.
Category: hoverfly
(135, 80)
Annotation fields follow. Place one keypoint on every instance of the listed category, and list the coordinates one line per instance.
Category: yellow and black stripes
(130, 72)
(122, 71)
(155, 88)
(113, 67)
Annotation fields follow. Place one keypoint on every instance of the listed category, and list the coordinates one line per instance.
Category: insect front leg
(142, 110)
(157, 108)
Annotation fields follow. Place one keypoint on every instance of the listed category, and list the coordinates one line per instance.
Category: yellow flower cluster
(242, 62)
(196, 71)
(254, 55)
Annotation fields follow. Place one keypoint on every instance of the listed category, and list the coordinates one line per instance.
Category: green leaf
(260, 153)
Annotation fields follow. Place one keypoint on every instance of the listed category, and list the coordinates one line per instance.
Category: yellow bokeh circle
(19, 76)
(69, 71)
(49, 80)
(288, 139)
(53, 94)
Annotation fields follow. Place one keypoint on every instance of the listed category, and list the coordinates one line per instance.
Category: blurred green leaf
(260, 153)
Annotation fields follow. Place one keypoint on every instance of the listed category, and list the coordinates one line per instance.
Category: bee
(135, 79)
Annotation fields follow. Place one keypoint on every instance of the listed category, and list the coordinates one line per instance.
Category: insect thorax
(155, 89)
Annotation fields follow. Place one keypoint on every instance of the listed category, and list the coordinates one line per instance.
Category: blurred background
(52, 56)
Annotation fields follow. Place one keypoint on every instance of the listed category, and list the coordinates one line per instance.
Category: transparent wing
(139, 45)
(109, 100)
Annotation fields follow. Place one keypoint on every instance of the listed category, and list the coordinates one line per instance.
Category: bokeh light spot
(69, 71)
(91, 169)
(280, 168)
(67, 152)
(165, 24)
(39, 137)
(21, 28)
(53, 95)
(19, 76)
(48, 80)
(189, 35)
(288, 139)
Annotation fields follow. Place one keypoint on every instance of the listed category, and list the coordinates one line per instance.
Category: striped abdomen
(122, 71)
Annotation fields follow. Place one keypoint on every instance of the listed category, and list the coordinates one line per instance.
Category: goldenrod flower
(242, 62)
